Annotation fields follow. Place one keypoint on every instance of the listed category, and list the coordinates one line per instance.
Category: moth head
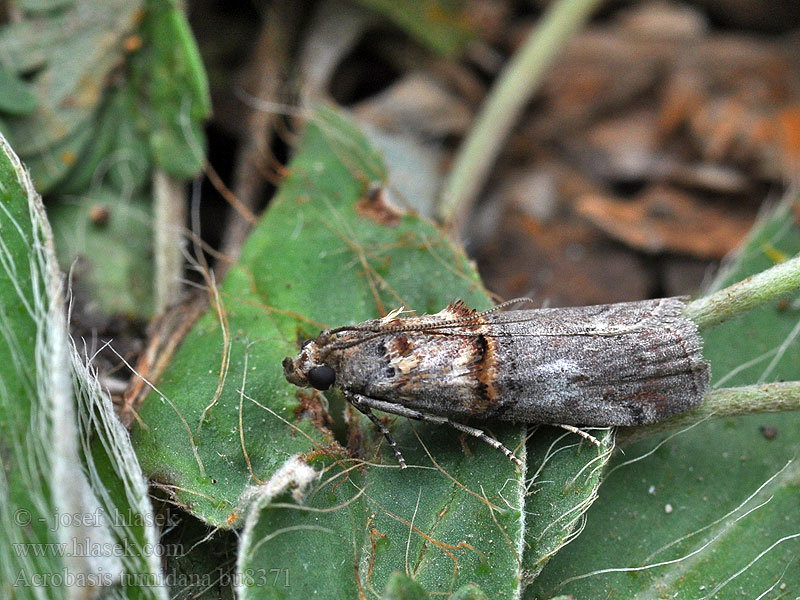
(308, 369)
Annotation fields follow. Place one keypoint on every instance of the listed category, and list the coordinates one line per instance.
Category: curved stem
(725, 402)
(501, 109)
(740, 297)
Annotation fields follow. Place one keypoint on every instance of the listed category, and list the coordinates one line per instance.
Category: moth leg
(587, 436)
(381, 427)
(410, 413)
(478, 433)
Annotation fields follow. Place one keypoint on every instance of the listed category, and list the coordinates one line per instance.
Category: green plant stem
(515, 86)
(725, 402)
(740, 297)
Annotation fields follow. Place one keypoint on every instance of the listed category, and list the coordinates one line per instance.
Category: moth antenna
(458, 320)
(350, 343)
(379, 330)
(506, 304)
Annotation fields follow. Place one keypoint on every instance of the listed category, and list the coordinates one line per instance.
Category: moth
(630, 363)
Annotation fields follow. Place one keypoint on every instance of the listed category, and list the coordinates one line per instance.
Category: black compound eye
(322, 377)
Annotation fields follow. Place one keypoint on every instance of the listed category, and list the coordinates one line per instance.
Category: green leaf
(712, 512)
(106, 242)
(469, 592)
(75, 127)
(559, 491)
(117, 157)
(771, 351)
(70, 54)
(401, 587)
(300, 257)
(442, 25)
(53, 164)
(168, 75)
(331, 250)
(357, 529)
(26, 506)
(317, 542)
(16, 98)
(67, 514)
(120, 488)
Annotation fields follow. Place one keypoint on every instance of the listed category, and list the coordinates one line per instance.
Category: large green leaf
(715, 511)
(445, 528)
(28, 509)
(331, 250)
(73, 520)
